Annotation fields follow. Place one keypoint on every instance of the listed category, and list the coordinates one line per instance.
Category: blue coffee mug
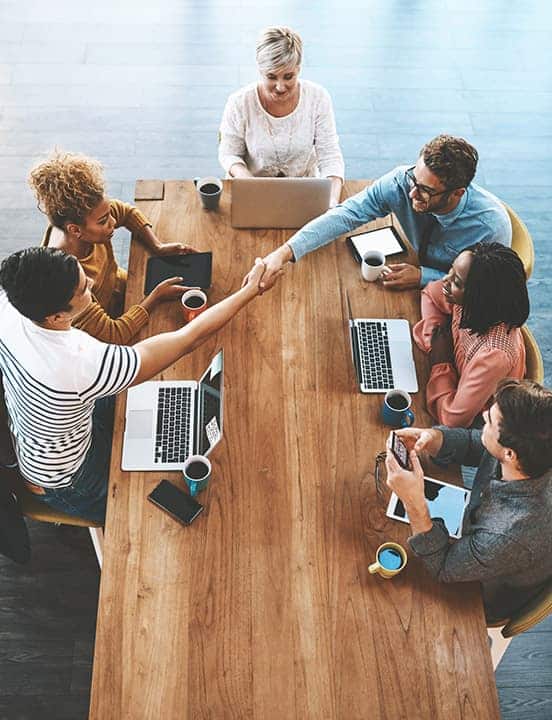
(196, 471)
(396, 410)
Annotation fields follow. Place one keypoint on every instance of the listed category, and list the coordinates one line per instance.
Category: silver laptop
(278, 202)
(382, 354)
(168, 421)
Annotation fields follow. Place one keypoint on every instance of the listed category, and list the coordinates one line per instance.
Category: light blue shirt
(479, 216)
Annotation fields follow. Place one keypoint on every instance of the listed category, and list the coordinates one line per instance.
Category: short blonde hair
(278, 47)
(68, 187)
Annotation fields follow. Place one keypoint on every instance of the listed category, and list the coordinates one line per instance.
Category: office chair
(525, 618)
(521, 240)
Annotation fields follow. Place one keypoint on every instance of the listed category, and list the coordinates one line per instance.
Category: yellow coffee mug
(390, 560)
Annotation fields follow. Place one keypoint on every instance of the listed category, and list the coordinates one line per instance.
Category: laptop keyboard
(375, 358)
(172, 439)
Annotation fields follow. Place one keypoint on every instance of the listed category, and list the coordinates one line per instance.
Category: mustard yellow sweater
(103, 318)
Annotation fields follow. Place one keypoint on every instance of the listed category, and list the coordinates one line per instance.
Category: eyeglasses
(378, 474)
(423, 191)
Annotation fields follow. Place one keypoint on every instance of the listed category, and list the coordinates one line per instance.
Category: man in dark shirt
(506, 542)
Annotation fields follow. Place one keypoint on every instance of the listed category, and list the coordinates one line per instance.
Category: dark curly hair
(40, 281)
(526, 425)
(496, 289)
(452, 159)
(68, 186)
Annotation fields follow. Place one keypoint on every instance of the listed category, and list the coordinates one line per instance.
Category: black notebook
(194, 269)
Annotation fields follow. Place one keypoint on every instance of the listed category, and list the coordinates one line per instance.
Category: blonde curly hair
(67, 186)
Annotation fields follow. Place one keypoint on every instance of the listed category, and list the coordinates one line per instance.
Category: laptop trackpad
(139, 424)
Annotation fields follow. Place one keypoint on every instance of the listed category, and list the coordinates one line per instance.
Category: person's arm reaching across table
(127, 215)
(158, 352)
(363, 207)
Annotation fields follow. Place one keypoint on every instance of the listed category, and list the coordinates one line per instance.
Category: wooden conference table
(264, 608)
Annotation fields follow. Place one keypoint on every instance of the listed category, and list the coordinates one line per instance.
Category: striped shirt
(51, 381)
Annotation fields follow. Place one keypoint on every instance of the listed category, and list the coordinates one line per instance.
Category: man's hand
(402, 276)
(428, 440)
(174, 249)
(253, 278)
(442, 350)
(273, 267)
(409, 486)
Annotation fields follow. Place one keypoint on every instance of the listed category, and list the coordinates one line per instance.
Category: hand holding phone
(175, 502)
(400, 452)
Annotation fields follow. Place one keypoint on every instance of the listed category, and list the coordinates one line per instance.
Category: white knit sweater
(301, 144)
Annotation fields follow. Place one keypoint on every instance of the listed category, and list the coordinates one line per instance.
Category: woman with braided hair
(70, 189)
(281, 126)
(470, 327)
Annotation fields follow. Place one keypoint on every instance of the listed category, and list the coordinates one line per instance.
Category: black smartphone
(398, 448)
(176, 502)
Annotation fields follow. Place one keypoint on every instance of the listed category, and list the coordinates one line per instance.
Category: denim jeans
(87, 494)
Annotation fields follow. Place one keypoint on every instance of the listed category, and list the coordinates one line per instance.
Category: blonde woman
(70, 189)
(281, 126)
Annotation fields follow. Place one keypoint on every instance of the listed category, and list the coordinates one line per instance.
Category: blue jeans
(87, 494)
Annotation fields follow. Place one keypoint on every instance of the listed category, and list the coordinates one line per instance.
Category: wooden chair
(32, 507)
(527, 617)
(533, 357)
(521, 240)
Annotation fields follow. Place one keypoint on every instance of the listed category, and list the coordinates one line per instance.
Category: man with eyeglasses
(506, 542)
(438, 206)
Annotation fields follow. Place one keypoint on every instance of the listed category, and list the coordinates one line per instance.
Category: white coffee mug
(373, 265)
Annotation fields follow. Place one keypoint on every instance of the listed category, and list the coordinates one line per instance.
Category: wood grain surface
(264, 608)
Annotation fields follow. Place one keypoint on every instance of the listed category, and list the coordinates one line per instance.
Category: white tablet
(386, 239)
(444, 500)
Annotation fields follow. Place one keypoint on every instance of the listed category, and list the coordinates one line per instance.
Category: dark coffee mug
(197, 472)
(396, 410)
(194, 302)
(209, 190)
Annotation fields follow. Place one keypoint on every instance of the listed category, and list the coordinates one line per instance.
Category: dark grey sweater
(506, 539)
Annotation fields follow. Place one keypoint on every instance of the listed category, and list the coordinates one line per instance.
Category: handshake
(266, 271)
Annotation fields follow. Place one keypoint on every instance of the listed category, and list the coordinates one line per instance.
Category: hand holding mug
(403, 276)
(373, 265)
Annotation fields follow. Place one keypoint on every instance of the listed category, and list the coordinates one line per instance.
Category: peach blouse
(457, 393)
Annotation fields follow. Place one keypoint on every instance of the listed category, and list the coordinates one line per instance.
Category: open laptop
(261, 202)
(167, 421)
(382, 354)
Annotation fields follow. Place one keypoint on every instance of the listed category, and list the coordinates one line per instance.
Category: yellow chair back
(533, 357)
(521, 241)
(531, 614)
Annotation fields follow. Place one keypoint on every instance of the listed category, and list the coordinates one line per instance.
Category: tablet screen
(193, 268)
(384, 239)
(445, 501)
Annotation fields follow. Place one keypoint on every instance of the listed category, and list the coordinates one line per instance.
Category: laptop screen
(209, 417)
